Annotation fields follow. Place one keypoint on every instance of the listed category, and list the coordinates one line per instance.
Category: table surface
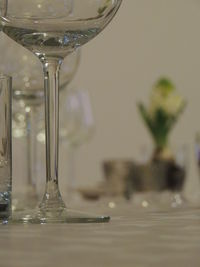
(134, 237)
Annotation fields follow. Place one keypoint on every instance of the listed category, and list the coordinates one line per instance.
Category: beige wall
(147, 38)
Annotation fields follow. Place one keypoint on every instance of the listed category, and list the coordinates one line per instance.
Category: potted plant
(160, 116)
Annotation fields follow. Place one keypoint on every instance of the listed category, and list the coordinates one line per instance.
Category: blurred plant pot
(125, 177)
(158, 176)
(161, 170)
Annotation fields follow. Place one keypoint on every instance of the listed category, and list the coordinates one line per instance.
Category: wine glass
(28, 96)
(52, 29)
(77, 120)
(77, 127)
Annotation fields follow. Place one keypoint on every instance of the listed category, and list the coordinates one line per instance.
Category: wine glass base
(65, 216)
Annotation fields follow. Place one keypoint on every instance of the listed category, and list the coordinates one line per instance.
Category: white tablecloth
(134, 237)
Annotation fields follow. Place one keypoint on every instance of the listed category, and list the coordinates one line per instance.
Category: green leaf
(161, 122)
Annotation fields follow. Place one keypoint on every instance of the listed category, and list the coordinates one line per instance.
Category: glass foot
(47, 217)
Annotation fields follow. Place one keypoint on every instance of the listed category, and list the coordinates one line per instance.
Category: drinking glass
(77, 126)
(5, 148)
(77, 121)
(52, 29)
(28, 98)
(158, 184)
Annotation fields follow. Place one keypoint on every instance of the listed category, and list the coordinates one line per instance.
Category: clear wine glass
(28, 97)
(52, 29)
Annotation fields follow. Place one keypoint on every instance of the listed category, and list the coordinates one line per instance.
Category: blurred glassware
(77, 126)
(165, 178)
(5, 148)
(26, 69)
(77, 120)
(28, 96)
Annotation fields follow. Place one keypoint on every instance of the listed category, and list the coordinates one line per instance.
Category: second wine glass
(28, 97)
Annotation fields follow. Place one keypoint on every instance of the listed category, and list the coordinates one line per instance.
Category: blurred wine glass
(28, 98)
(160, 184)
(77, 127)
(77, 121)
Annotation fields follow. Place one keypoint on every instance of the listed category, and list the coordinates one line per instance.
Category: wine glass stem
(51, 69)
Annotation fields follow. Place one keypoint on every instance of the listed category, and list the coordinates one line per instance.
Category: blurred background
(146, 40)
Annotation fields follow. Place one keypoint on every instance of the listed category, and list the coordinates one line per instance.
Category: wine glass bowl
(56, 28)
(52, 29)
(76, 121)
